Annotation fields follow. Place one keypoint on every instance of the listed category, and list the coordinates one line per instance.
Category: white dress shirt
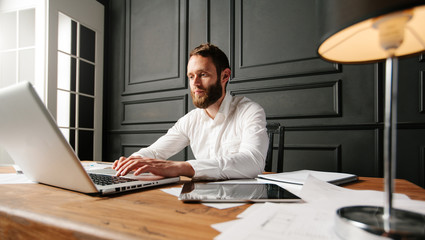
(230, 146)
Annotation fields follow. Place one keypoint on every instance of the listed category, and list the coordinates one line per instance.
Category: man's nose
(196, 80)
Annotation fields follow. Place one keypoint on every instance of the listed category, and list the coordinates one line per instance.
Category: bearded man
(227, 134)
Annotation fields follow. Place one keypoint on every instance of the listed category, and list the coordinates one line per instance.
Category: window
(17, 46)
(65, 66)
(20, 47)
(75, 87)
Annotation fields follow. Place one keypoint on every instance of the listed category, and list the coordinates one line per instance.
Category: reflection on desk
(238, 192)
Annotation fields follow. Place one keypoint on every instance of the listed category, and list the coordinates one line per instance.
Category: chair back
(274, 128)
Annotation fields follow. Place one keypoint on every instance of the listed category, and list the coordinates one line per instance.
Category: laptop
(30, 135)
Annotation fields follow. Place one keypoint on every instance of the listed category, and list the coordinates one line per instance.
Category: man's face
(205, 87)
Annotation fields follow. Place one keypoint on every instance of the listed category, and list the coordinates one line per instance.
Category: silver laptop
(32, 138)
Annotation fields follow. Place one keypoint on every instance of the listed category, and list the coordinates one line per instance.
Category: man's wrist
(187, 169)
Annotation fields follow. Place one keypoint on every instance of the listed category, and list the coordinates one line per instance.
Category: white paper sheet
(281, 221)
(96, 165)
(313, 219)
(14, 178)
(224, 226)
(173, 191)
(315, 189)
(300, 176)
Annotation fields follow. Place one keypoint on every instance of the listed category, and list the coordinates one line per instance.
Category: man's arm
(150, 159)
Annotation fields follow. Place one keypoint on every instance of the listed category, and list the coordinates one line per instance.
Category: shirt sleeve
(249, 160)
(168, 145)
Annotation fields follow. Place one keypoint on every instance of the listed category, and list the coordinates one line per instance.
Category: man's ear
(225, 75)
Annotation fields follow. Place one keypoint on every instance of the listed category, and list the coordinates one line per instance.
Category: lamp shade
(349, 32)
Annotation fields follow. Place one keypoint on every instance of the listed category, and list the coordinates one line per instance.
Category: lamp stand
(375, 222)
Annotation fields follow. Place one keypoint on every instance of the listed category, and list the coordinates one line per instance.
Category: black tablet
(235, 192)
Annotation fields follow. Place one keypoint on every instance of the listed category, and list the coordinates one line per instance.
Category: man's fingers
(121, 168)
(129, 165)
(123, 161)
(116, 163)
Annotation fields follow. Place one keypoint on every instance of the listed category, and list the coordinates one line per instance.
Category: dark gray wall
(332, 113)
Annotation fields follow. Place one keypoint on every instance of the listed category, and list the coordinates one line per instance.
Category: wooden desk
(36, 211)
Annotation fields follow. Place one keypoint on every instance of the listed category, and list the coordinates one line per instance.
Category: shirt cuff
(205, 170)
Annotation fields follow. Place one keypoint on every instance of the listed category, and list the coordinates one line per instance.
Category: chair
(274, 128)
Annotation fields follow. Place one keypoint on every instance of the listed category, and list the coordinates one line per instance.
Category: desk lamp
(368, 31)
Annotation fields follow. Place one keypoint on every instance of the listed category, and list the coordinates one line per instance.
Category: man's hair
(218, 57)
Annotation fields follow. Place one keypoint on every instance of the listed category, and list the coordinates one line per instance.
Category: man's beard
(212, 94)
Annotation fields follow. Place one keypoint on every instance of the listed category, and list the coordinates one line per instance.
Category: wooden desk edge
(42, 226)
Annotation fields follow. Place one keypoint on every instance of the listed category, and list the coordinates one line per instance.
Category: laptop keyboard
(104, 180)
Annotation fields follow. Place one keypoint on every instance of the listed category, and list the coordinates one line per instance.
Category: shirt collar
(223, 112)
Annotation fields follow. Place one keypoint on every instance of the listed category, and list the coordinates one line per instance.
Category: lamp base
(366, 222)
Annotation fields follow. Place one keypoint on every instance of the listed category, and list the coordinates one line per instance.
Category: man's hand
(159, 167)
